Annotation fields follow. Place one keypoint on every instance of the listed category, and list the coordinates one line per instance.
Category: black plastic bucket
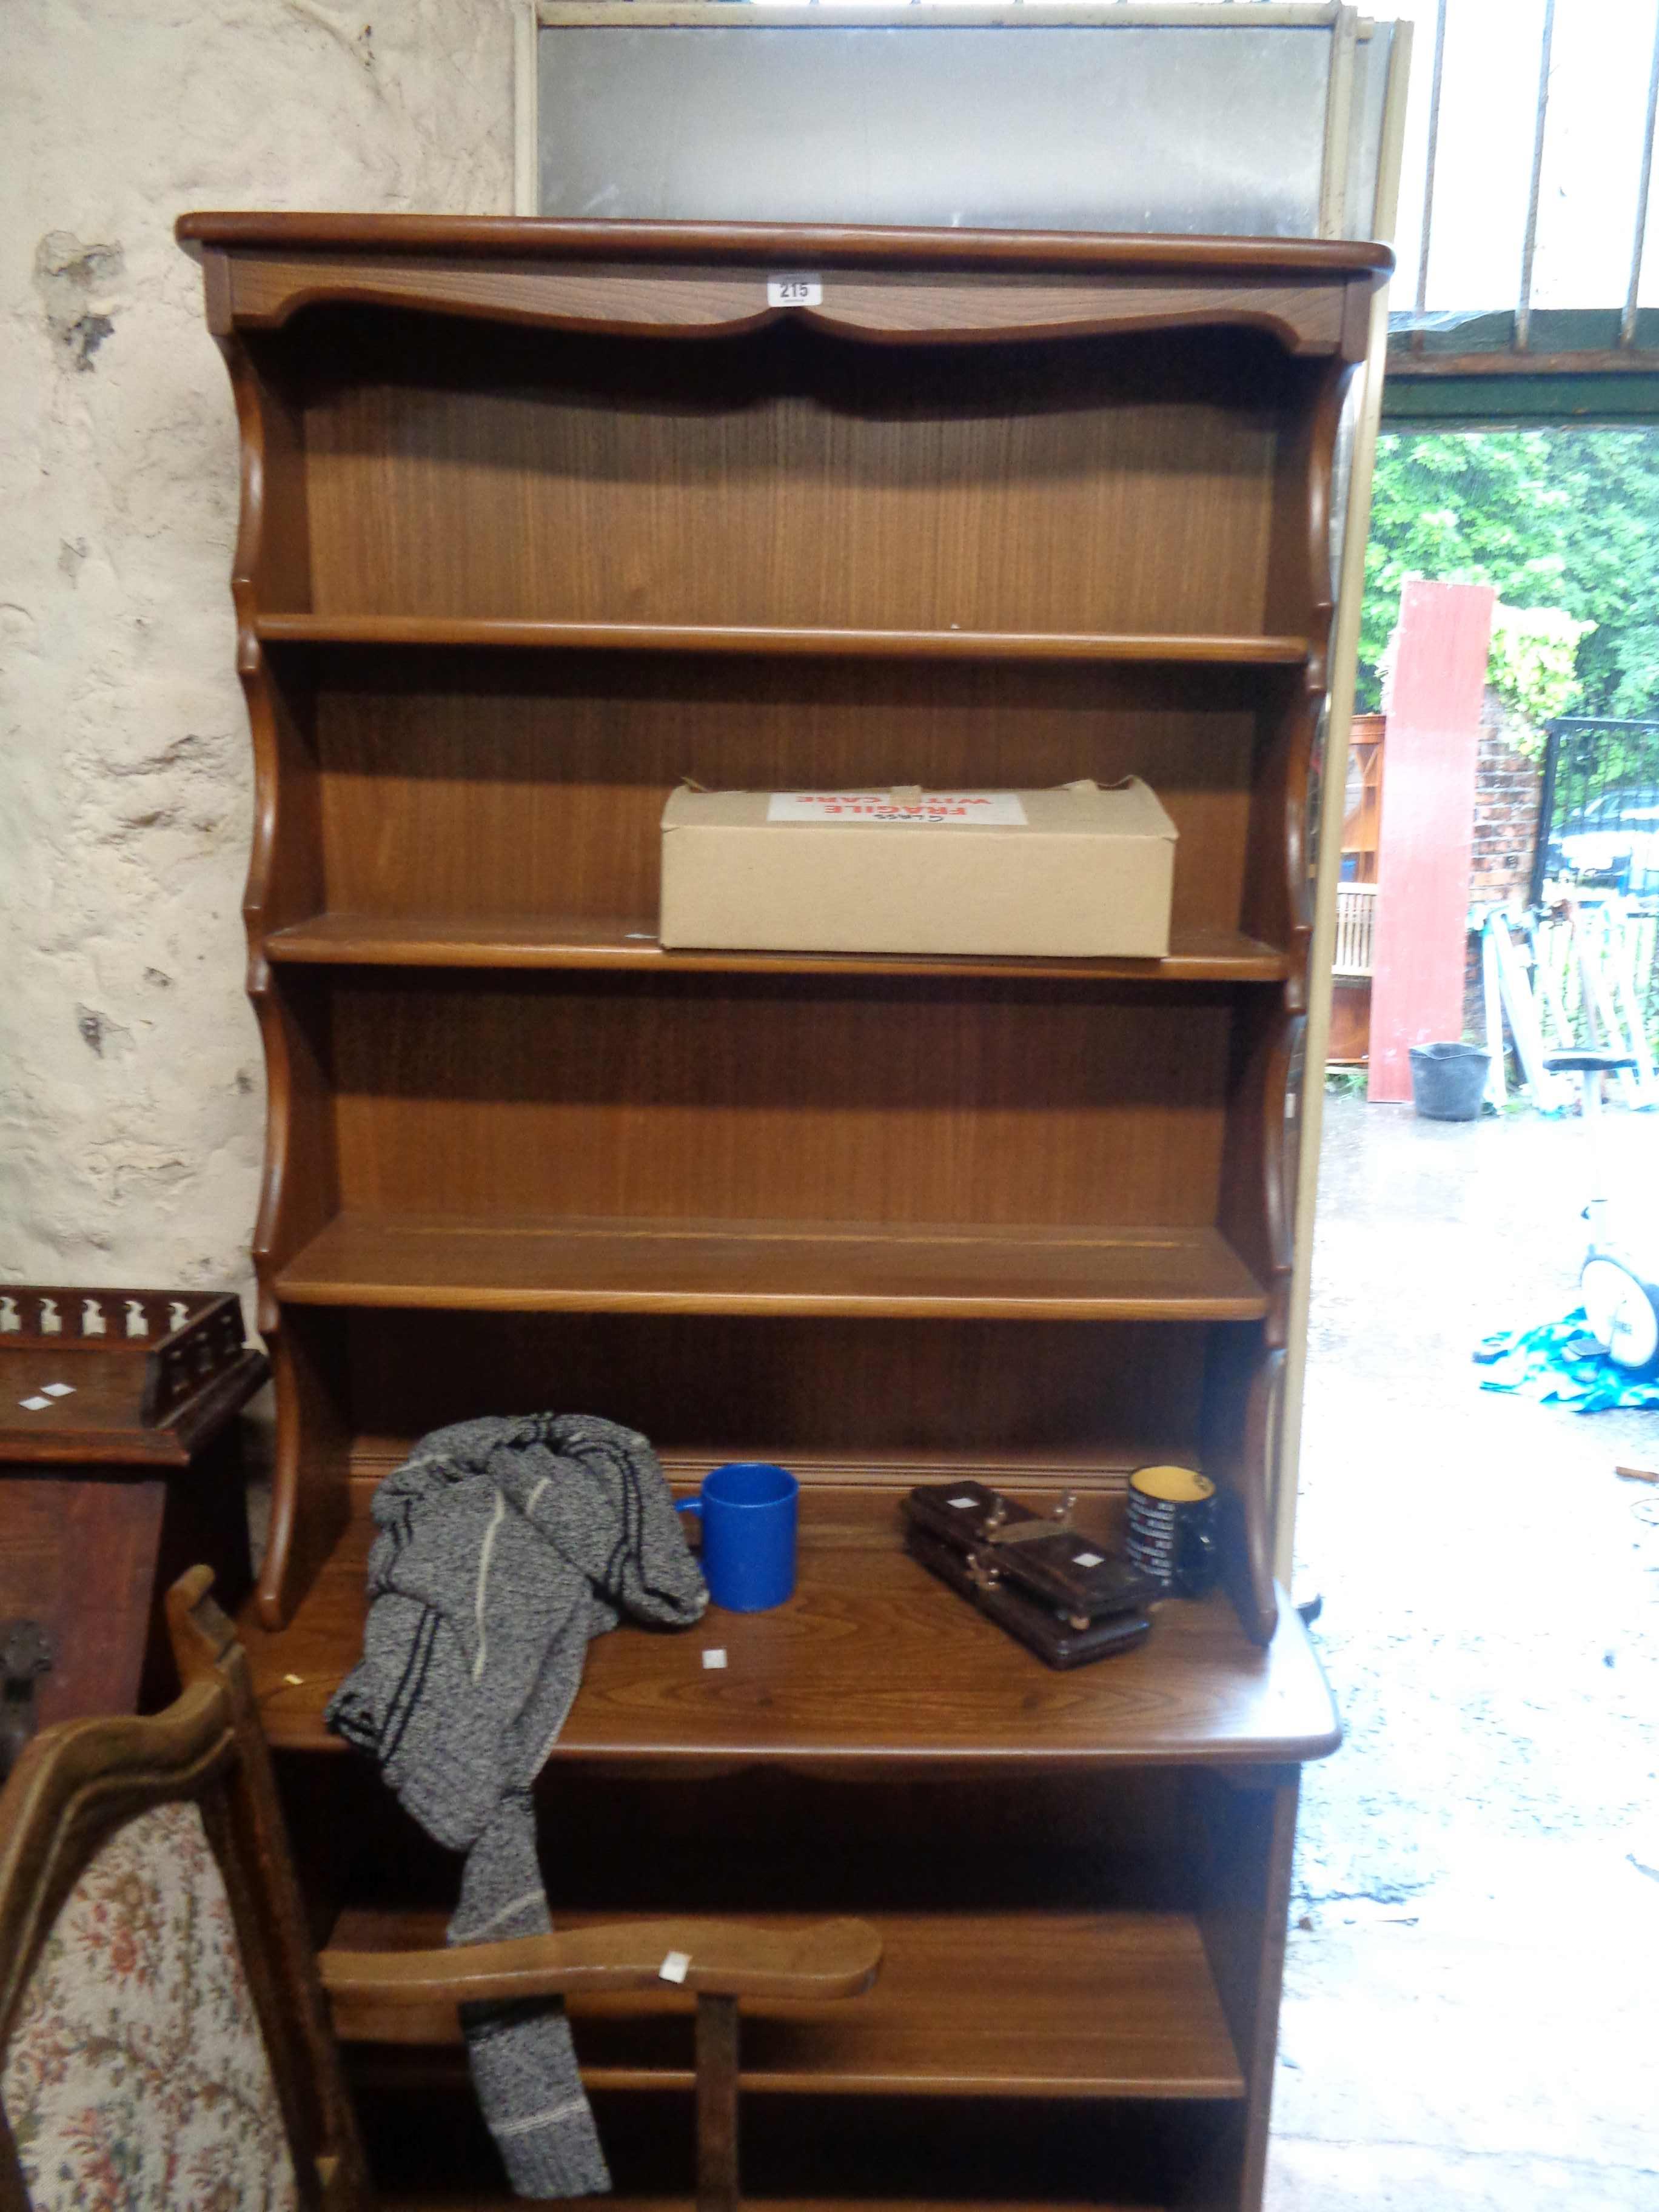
(1449, 1081)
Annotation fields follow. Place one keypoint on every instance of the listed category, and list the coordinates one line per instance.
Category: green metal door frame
(1503, 396)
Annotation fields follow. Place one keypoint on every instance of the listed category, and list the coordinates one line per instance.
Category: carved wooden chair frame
(75, 1784)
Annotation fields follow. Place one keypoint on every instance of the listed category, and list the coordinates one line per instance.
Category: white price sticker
(794, 292)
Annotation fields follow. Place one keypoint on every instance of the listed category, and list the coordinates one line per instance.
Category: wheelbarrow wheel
(1623, 1314)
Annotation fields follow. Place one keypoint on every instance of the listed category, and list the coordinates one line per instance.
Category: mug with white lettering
(1172, 1528)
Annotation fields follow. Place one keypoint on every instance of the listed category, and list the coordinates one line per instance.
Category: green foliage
(1556, 519)
(1533, 666)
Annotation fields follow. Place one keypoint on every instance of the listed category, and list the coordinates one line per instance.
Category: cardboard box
(1075, 870)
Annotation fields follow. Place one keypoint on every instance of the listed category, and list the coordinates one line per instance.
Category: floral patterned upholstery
(136, 2078)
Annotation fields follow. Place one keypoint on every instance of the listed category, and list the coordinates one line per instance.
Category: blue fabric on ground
(1541, 1364)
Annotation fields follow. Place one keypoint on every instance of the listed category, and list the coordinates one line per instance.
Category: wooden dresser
(538, 518)
(120, 1466)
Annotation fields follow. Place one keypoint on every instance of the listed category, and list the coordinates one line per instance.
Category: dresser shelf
(873, 1668)
(1196, 955)
(951, 644)
(1023, 2024)
(781, 1267)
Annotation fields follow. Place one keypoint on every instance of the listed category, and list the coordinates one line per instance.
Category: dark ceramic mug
(1172, 1528)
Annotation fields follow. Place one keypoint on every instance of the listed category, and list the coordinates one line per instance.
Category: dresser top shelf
(693, 279)
(518, 236)
(541, 516)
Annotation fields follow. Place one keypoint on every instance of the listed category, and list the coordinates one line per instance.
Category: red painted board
(1428, 820)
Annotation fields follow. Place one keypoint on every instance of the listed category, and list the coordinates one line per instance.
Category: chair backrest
(163, 2033)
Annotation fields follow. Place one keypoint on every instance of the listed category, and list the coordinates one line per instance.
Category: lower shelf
(1018, 2004)
(487, 2199)
(428, 2149)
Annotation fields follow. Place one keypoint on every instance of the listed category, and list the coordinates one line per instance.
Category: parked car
(1613, 840)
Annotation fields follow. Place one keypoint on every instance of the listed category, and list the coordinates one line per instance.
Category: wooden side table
(120, 1465)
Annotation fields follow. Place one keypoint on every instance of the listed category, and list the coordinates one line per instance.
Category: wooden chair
(164, 2024)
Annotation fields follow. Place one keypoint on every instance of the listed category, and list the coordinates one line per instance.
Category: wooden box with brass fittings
(1047, 1582)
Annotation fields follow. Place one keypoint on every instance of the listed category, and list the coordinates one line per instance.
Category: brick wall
(1506, 786)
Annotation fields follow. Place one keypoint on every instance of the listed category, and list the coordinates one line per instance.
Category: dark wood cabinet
(538, 518)
(120, 1466)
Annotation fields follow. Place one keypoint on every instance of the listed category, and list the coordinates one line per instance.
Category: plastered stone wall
(131, 1085)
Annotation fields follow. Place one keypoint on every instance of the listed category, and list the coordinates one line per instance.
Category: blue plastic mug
(747, 1509)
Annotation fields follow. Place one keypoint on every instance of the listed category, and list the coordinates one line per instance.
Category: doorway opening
(1475, 1932)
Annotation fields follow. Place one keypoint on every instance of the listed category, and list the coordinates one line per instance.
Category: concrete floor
(1471, 2017)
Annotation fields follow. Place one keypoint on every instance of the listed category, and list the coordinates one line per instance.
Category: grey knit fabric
(504, 1545)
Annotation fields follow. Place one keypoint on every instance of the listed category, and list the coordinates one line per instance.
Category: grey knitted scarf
(504, 1545)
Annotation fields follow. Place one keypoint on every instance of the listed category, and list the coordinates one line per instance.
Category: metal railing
(1598, 808)
(1412, 343)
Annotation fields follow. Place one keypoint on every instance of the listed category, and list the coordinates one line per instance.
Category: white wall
(131, 1087)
